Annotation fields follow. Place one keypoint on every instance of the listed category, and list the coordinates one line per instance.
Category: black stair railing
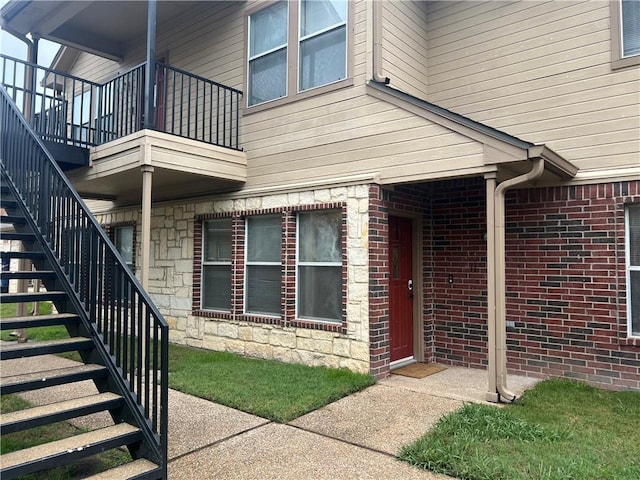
(130, 333)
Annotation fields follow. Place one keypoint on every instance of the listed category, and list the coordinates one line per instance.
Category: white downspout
(500, 277)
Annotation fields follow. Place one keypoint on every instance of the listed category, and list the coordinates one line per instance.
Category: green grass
(274, 390)
(35, 436)
(558, 430)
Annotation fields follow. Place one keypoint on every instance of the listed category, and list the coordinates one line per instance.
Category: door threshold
(403, 362)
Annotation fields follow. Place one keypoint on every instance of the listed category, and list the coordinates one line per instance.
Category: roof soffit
(98, 27)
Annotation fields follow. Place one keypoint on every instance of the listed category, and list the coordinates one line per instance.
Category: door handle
(410, 288)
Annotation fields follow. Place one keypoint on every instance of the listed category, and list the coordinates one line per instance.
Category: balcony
(98, 132)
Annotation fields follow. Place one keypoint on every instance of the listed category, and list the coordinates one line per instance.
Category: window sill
(618, 63)
(212, 314)
(337, 327)
(630, 342)
(347, 82)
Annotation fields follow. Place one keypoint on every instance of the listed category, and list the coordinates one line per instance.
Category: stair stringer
(132, 412)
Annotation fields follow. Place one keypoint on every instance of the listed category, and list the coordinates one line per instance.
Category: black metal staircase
(119, 334)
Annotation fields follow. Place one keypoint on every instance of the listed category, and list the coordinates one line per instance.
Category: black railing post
(151, 63)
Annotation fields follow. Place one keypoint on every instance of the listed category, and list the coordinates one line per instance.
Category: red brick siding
(378, 284)
(459, 279)
(566, 284)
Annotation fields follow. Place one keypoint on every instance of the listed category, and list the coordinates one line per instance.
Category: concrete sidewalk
(354, 438)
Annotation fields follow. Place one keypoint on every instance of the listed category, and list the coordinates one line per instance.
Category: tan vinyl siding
(550, 82)
(404, 45)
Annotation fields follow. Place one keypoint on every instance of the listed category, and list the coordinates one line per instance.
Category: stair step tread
(127, 470)
(45, 343)
(30, 321)
(12, 219)
(25, 255)
(58, 411)
(17, 236)
(32, 297)
(46, 378)
(32, 349)
(28, 274)
(61, 451)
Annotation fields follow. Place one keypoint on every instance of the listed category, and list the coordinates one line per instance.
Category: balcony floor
(182, 168)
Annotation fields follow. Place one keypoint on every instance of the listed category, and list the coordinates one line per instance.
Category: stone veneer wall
(313, 343)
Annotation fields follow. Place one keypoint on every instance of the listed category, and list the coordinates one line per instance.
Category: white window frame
(81, 123)
(204, 263)
(302, 39)
(618, 59)
(630, 268)
(248, 263)
(312, 264)
(284, 46)
(293, 92)
(116, 237)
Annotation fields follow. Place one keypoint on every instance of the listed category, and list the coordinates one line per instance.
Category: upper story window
(633, 270)
(625, 33)
(268, 53)
(323, 43)
(294, 47)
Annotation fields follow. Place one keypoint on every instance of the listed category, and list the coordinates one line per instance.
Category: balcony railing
(71, 110)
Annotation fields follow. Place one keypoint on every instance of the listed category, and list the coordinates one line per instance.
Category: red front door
(400, 288)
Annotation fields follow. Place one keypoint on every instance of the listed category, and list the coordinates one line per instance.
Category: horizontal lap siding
(348, 132)
(404, 45)
(540, 71)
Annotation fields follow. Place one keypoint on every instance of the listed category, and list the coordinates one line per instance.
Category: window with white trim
(625, 33)
(216, 264)
(319, 266)
(323, 43)
(81, 118)
(306, 39)
(633, 269)
(630, 22)
(123, 240)
(263, 275)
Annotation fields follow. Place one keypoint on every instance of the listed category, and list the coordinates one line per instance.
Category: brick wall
(459, 279)
(566, 283)
(565, 280)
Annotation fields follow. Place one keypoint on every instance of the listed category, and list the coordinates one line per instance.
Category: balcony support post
(147, 178)
(149, 79)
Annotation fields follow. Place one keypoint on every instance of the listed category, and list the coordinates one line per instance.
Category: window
(323, 43)
(216, 264)
(123, 240)
(625, 33)
(633, 270)
(294, 47)
(319, 266)
(268, 54)
(263, 265)
(81, 117)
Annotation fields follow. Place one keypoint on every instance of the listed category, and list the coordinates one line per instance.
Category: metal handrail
(68, 109)
(130, 334)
